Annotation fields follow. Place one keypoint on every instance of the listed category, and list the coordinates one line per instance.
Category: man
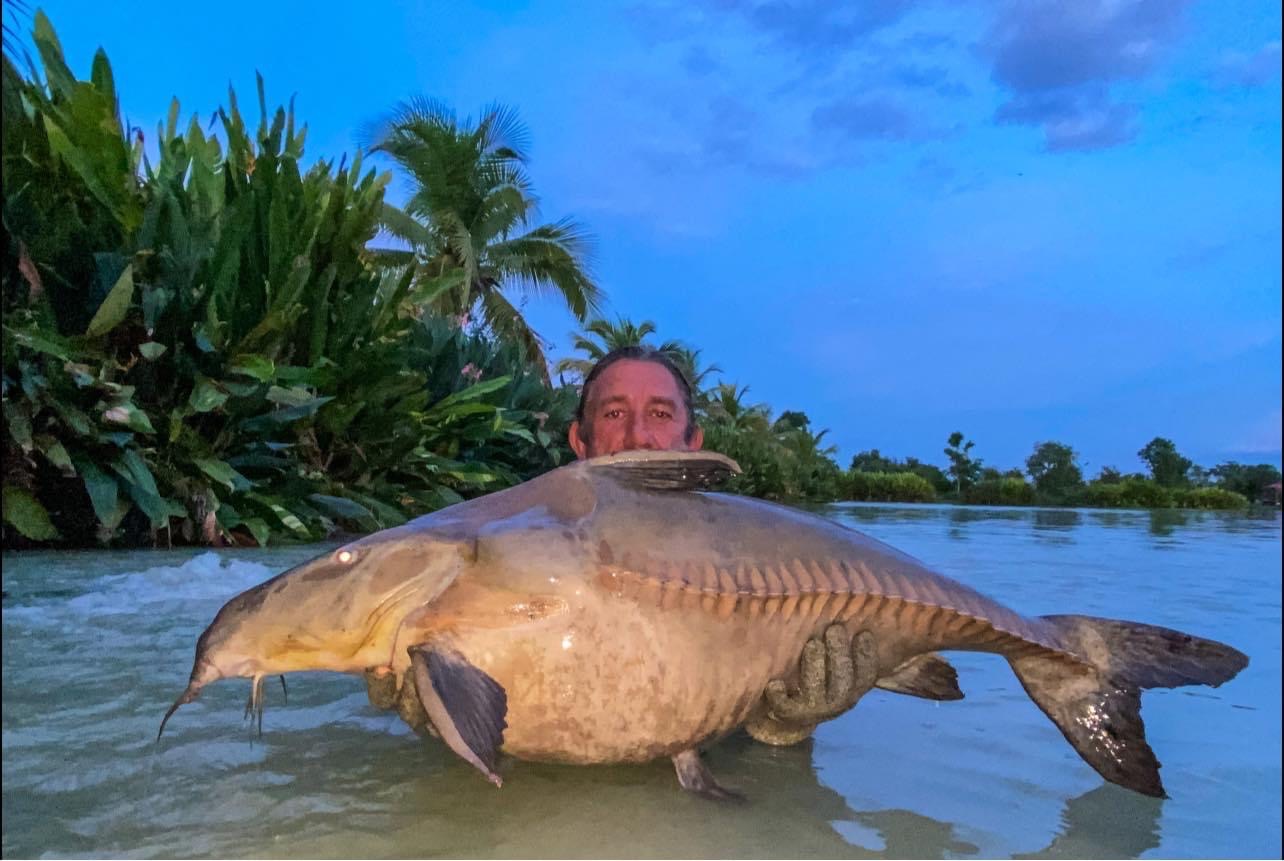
(636, 398)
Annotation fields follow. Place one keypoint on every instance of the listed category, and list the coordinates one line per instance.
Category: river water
(98, 644)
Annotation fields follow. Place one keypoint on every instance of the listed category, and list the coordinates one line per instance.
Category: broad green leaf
(446, 496)
(43, 342)
(287, 517)
(61, 79)
(322, 375)
(18, 422)
(386, 514)
(76, 158)
(472, 392)
(152, 350)
(115, 306)
(259, 529)
(74, 418)
(56, 454)
(101, 76)
(284, 416)
(320, 307)
(223, 474)
(342, 507)
(337, 418)
(27, 515)
(171, 121)
(261, 461)
(206, 396)
(241, 389)
(258, 367)
(130, 415)
(227, 515)
(131, 465)
(293, 397)
(156, 509)
(102, 490)
(521, 433)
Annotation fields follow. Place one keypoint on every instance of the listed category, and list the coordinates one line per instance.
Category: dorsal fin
(665, 470)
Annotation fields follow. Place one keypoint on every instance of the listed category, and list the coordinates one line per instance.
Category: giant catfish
(609, 611)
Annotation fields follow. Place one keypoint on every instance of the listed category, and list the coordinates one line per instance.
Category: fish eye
(345, 556)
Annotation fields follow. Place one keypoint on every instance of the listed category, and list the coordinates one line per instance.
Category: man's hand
(833, 676)
(381, 688)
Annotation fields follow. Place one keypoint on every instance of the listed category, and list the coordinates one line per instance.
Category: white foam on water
(197, 586)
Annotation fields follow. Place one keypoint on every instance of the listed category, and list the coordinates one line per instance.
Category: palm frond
(403, 226)
(507, 322)
(500, 128)
(551, 258)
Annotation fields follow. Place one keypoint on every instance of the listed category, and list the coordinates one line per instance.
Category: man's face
(634, 405)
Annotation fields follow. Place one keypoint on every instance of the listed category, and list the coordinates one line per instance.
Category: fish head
(339, 611)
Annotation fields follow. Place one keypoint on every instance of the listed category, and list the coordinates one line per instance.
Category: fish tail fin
(1092, 692)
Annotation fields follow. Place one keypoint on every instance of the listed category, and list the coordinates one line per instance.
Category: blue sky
(1023, 220)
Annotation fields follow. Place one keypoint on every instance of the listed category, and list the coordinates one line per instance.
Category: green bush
(1000, 491)
(889, 487)
(1209, 497)
(783, 460)
(1131, 492)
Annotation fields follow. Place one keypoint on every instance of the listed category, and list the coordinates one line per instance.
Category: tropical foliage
(470, 223)
(201, 347)
(601, 336)
(889, 487)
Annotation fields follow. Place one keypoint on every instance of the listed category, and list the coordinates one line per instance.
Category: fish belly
(616, 682)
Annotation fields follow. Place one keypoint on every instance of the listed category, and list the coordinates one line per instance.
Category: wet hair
(638, 353)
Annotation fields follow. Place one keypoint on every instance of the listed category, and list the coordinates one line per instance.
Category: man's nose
(635, 435)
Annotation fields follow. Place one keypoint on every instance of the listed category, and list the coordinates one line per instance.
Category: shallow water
(97, 645)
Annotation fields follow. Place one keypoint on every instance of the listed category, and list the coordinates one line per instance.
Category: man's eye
(662, 414)
(613, 414)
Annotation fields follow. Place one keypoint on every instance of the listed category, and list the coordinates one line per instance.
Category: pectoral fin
(465, 705)
(928, 676)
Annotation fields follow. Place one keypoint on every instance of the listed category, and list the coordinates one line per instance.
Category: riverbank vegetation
(208, 339)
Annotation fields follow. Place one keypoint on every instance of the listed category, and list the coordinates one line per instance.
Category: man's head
(634, 398)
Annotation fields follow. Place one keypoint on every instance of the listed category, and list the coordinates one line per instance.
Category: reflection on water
(1106, 822)
(1165, 521)
(96, 645)
(1060, 519)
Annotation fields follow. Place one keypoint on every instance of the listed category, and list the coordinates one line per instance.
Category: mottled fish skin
(636, 624)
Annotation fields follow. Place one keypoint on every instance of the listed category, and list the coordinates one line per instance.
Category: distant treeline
(1052, 476)
(205, 343)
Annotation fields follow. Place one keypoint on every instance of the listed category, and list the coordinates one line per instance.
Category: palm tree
(470, 222)
(601, 336)
(688, 359)
(726, 407)
(14, 11)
